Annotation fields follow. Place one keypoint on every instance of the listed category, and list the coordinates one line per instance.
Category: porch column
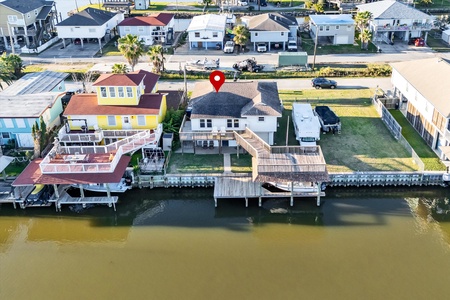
(55, 186)
(426, 37)
(284, 46)
(100, 45)
(319, 184)
(292, 194)
(82, 43)
(64, 43)
(81, 190)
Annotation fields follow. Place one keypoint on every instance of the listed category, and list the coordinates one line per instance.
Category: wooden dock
(244, 187)
(66, 199)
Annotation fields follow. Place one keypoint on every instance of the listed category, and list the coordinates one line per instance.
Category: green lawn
(365, 144)
(437, 44)
(191, 163)
(308, 46)
(243, 164)
(429, 158)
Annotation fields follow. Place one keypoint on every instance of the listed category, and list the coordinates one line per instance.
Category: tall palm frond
(132, 48)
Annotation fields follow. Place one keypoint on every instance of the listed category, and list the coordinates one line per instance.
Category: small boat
(120, 187)
(299, 187)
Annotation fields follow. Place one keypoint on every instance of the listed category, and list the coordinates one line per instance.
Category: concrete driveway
(71, 50)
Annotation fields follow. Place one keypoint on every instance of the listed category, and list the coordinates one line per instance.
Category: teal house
(33, 96)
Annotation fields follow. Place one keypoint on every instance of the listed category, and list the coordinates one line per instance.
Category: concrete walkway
(227, 163)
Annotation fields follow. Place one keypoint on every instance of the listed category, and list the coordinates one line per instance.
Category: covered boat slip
(244, 187)
(286, 165)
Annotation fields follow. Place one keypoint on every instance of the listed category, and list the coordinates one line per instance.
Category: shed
(292, 59)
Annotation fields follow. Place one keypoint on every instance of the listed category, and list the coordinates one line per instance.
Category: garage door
(341, 39)
(25, 140)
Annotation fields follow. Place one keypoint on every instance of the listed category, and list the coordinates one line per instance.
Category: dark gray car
(321, 82)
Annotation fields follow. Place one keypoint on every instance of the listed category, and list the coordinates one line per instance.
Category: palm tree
(365, 37)
(318, 7)
(5, 76)
(131, 48)
(241, 35)
(13, 63)
(36, 133)
(362, 21)
(156, 55)
(119, 69)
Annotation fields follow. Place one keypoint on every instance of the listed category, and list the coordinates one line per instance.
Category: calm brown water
(173, 244)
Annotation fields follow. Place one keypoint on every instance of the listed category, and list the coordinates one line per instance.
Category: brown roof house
(212, 116)
(157, 28)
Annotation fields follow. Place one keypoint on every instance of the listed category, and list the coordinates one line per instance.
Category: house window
(112, 120)
(256, 34)
(282, 34)
(197, 34)
(120, 91)
(12, 19)
(35, 12)
(28, 15)
(127, 28)
(92, 29)
(320, 28)
(232, 123)
(112, 92)
(229, 123)
(141, 28)
(129, 92)
(261, 119)
(349, 27)
(141, 120)
(8, 123)
(337, 27)
(6, 135)
(205, 123)
(327, 28)
(215, 34)
(20, 123)
(236, 123)
(103, 91)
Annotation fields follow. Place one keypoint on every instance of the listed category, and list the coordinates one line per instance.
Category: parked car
(229, 47)
(292, 45)
(261, 47)
(242, 3)
(249, 64)
(321, 82)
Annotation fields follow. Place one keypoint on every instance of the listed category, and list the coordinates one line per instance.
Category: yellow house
(122, 101)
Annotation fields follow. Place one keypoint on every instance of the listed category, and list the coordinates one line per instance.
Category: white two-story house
(212, 117)
(207, 31)
(90, 23)
(392, 20)
(152, 29)
(337, 29)
(273, 29)
(423, 89)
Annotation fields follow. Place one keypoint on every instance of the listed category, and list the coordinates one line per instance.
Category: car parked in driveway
(229, 47)
(320, 82)
(261, 47)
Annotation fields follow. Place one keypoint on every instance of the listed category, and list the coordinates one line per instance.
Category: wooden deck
(245, 187)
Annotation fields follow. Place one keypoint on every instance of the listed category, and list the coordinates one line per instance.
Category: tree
(156, 56)
(207, 2)
(36, 134)
(44, 134)
(119, 69)
(241, 35)
(318, 7)
(362, 22)
(5, 76)
(131, 48)
(85, 79)
(365, 37)
(426, 2)
(13, 63)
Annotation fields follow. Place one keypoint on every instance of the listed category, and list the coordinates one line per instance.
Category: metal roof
(208, 22)
(332, 19)
(34, 83)
(26, 106)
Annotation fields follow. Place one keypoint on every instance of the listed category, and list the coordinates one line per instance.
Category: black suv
(321, 82)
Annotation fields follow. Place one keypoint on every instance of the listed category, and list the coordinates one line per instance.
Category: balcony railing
(404, 27)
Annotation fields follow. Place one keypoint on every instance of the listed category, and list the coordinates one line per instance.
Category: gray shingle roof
(389, 9)
(236, 100)
(88, 17)
(35, 83)
(430, 78)
(271, 22)
(24, 6)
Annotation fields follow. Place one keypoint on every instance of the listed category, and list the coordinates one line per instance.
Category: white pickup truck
(292, 45)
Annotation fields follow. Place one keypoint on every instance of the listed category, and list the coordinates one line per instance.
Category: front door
(126, 122)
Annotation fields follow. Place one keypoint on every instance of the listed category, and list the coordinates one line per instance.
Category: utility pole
(315, 47)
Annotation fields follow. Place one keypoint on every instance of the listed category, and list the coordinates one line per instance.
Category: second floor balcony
(404, 27)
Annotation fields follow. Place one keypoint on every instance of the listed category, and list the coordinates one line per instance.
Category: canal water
(173, 244)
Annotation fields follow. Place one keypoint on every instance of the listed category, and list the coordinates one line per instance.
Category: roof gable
(235, 100)
(161, 19)
(389, 9)
(271, 22)
(24, 6)
(430, 78)
(130, 79)
(88, 17)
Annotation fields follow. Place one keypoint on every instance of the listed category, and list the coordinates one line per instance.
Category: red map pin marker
(217, 78)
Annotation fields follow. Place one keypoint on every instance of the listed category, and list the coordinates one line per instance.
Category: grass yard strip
(243, 164)
(365, 144)
(192, 163)
(429, 158)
